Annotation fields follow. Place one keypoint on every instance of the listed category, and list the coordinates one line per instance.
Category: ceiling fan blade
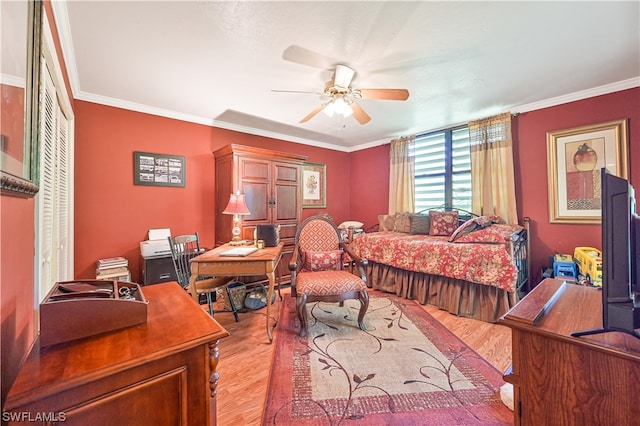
(312, 113)
(303, 56)
(296, 91)
(388, 94)
(343, 76)
(359, 114)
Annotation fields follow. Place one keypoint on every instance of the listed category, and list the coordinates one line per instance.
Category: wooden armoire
(271, 183)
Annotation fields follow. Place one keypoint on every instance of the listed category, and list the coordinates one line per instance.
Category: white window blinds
(443, 169)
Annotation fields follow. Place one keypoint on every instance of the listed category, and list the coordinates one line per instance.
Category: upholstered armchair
(318, 269)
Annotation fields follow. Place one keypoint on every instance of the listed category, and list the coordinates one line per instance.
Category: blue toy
(564, 267)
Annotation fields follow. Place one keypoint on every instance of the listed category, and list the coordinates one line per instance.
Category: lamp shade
(236, 205)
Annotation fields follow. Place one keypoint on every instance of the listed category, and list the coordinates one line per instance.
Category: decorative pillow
(351, 223)
(403, 223)
(483, 235)
(420, 224)
(322, 260)
(443, 223)
(386, 222)
(474, 224)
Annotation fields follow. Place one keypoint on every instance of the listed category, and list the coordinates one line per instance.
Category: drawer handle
(163, 276)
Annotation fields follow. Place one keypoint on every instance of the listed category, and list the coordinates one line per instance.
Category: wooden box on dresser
(162, 372)
(559, 379)
(271, 183)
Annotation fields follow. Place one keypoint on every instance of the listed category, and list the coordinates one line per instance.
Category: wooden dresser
(270, 181)
(563, 380)
(162, 372)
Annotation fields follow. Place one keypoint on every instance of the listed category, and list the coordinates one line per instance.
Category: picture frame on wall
(158, 169)
(574, 159)
(314, 185)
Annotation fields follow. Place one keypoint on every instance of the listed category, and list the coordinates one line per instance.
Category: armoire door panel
(286, 202)
(286, 173)
(256, 196)
(254, 169)
(288, 231)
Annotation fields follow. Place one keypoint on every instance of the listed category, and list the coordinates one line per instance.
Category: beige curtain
(401, 175)
(492, 176)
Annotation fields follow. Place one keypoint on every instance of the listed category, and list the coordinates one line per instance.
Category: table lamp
(236, 207)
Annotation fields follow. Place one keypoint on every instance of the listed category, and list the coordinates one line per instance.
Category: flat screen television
(620, 257)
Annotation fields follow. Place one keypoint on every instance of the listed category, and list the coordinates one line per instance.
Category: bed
(474, 268)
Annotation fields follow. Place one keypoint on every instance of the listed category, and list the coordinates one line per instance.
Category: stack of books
(113, 268)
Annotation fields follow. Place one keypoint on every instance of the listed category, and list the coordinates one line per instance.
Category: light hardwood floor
(245, 359)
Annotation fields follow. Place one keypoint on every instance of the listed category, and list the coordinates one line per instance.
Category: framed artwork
(574, 159)
(19, 141)
(314, 193)
(158, 169)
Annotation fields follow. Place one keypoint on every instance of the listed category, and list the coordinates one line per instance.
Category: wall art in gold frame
(574, 159)
(314, 185)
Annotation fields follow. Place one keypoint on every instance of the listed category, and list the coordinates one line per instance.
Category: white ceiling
(217, 63)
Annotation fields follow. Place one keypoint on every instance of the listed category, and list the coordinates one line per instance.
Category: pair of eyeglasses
(127, 292)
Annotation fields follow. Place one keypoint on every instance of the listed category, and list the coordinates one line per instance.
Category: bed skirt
(461, 298)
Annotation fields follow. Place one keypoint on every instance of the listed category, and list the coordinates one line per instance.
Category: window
(443, 169)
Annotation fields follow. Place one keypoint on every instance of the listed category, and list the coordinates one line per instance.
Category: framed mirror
(19, 82)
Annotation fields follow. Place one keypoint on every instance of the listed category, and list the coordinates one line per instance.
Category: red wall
(16, 284)
(531, 167)
(112, 215)
(369, 184)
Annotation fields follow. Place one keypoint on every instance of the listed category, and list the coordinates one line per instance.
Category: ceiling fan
(342, 97)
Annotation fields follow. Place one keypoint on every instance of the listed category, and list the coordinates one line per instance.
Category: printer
(157, 243)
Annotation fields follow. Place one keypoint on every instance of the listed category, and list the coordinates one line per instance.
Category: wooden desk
(262, 262)
(563, 380)
(153, 373)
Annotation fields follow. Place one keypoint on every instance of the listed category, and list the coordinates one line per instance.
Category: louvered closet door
(62, 219)
(53, 245)
(46, 203)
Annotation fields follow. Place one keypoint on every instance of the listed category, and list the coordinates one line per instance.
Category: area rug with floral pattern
(405, 369)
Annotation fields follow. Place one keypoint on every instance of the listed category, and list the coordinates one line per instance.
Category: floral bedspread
(488, 264)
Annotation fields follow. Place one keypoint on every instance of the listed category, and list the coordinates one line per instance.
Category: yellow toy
(589, 261)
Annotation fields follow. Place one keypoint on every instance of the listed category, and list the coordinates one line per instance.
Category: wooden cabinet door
(255, 184)
(286, 192)
(286, 210)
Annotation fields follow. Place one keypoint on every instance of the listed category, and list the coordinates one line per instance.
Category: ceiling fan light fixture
(340, 105)
(330, 108)
(347, 111)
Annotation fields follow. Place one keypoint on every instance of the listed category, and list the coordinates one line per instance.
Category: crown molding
(577, 96)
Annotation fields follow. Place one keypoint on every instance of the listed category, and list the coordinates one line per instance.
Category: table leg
(272, 280)
(192, 283)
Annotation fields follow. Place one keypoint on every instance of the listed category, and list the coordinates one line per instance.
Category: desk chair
(317, 269)
(183, 249)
